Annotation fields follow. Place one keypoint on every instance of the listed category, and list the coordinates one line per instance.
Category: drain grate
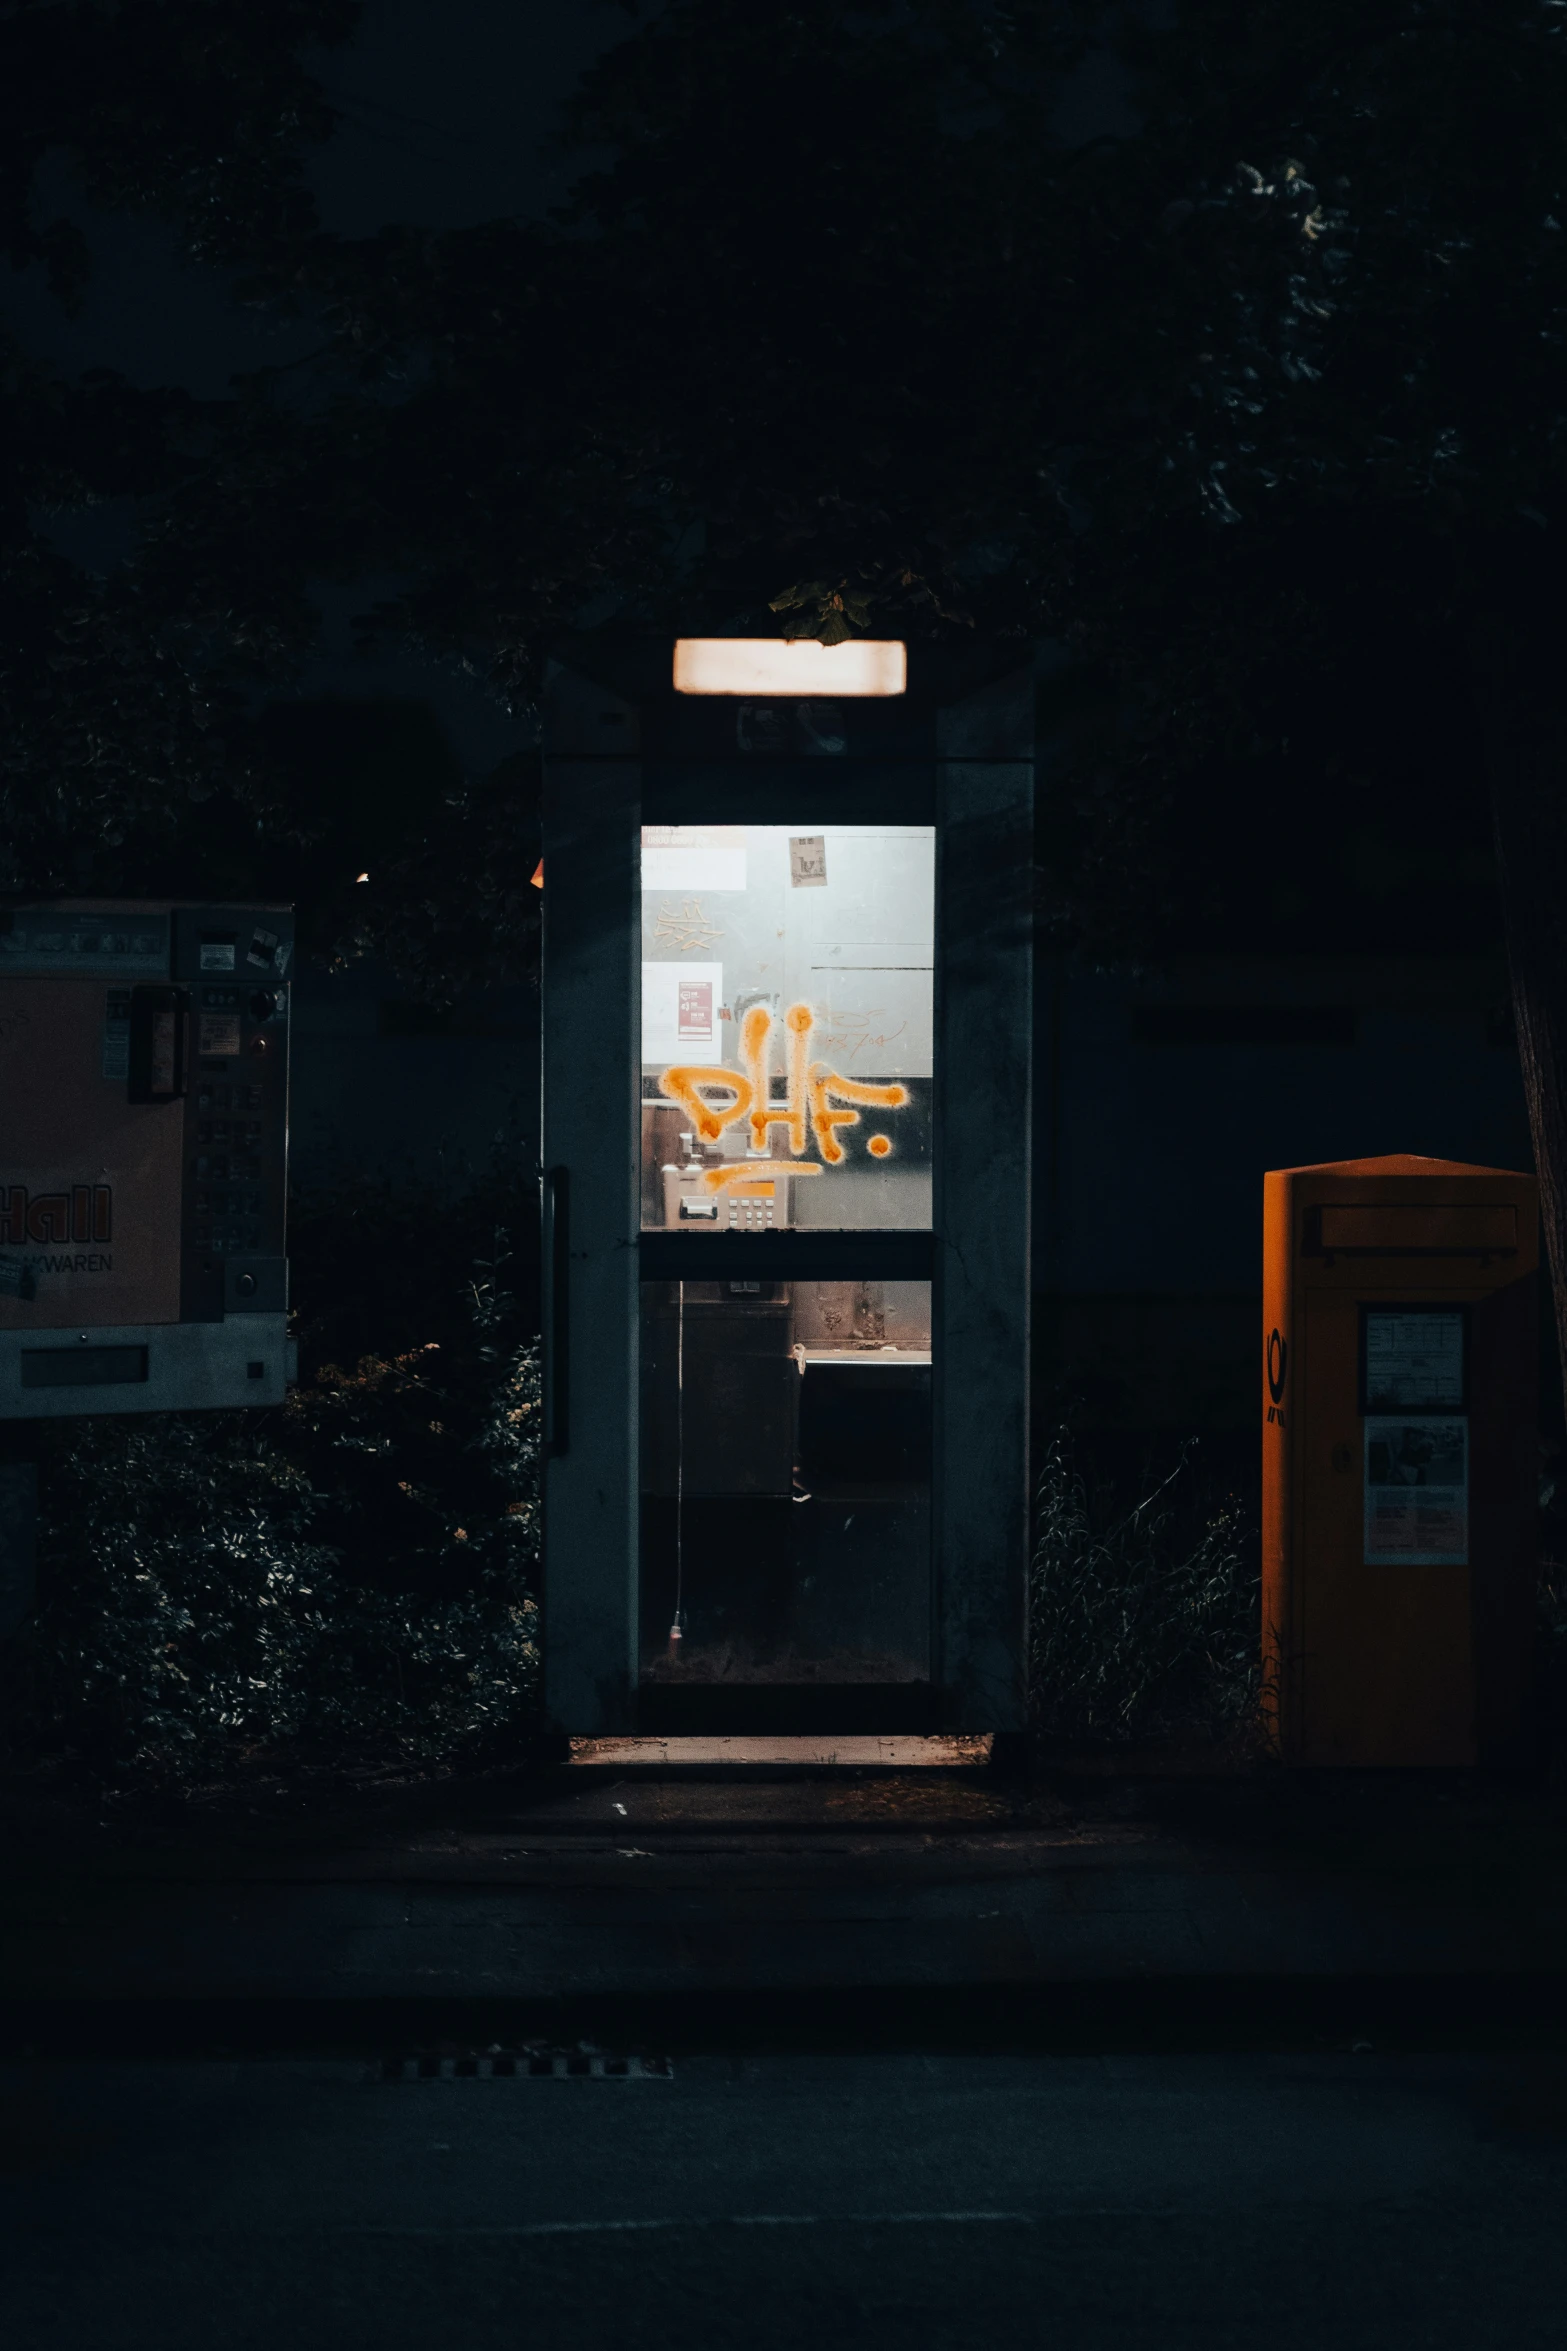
(532, 2065)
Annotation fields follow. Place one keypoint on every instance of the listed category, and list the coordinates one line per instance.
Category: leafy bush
(348, 1577)
(1143, 1622)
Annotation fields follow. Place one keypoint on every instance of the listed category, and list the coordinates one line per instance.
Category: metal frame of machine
(143, 1157)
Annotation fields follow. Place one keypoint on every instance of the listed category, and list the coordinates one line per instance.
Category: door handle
(556, 1255)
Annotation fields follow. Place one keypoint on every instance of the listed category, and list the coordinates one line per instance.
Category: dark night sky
(449, 109)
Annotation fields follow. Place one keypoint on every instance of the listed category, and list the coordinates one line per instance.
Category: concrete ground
(1367, 2198)
(875, 2054)
(629, 1879)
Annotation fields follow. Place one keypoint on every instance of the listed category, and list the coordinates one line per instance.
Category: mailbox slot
(1413, 1228)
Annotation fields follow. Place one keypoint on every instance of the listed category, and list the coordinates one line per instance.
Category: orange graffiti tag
(742, 1171)
(683, 1084)
(812, 1091)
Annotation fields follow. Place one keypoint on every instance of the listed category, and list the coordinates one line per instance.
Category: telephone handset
(742, 1204)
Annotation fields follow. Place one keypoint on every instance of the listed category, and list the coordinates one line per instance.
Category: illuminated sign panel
(790, 665)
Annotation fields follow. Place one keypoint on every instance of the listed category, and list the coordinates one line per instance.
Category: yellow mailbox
(1400, 1460)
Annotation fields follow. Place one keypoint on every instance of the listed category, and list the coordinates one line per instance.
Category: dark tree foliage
(122, 700)
(1368, 315)
(1257, 406)
(196, 109)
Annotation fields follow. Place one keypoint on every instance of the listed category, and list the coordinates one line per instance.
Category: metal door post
(590, 1132)
(984, 1064)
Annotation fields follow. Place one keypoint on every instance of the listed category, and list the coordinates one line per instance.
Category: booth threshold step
(886, 1751)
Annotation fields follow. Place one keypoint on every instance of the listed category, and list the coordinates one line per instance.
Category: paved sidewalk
(624, 1880)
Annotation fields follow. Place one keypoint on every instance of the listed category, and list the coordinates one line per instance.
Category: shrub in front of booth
(346, 1581)
(1144, 1608)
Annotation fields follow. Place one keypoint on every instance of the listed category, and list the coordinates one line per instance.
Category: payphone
(143, 1156)
(787, 1002)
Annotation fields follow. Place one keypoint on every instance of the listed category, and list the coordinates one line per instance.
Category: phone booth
(786, 1122)
(1400, 1471)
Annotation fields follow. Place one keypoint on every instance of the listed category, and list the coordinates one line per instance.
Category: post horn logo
(1278, 1365)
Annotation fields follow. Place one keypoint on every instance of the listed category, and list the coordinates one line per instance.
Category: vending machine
(143, 1156)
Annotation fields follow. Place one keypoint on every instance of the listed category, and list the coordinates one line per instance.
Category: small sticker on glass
(219, 1033)
(694, 1025)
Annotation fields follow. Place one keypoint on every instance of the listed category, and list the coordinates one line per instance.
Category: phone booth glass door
(787, 1081)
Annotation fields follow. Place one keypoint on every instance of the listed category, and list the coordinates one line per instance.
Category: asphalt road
(1356, 2199)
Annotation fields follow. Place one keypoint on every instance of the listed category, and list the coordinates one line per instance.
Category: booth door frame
(978, 1254)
